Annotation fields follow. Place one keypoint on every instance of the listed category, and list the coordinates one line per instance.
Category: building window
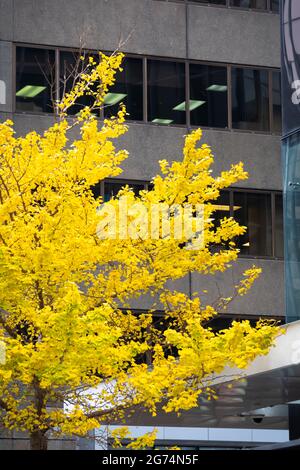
(276, 101)
(69, 67)
(261, 213)
(262, 5)
(275, 5)
(222, 208)
(211, 2)
(279, 248)
(256, 106)
(255, 4)
(166, 92)
(250, 99)
(223, 322)
(253, 210)
(35, 79)
(128, 89)
(208, 96)
(109, 188)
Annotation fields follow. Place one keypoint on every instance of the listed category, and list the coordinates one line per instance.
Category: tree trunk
(38, 441)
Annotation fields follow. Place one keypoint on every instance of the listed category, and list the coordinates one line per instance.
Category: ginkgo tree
(74, 349)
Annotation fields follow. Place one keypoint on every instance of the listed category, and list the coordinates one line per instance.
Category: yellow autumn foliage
(65, 292)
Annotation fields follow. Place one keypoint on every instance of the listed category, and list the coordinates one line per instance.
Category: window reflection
(70, 66)
(276, 96)
(127, 89)
(208, 92)
(212, 2)
(275, 5)
(254, 211)
(250, 99)
(279, 249)
(257, 4)
(35, 79)
(112, 188)
(166, 92)
(222, 208)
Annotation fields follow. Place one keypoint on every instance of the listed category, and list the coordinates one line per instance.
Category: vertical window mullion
(14, 74)
(57, 75)
(102, 189)
(145, 90)
(273, 215)
(187, 94)
(229, 97)
(231, 203)
(271, 100)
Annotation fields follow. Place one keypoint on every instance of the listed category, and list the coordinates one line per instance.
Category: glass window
(275, 5)
(111, 188)
(291, 162)
(166, 92)
(250, 99)
(276, 96)
(128, 89)
(222, 211)
(208, 92)
(212, 2)
(222, 207)
(279, 250)
(253, 210)
(35, 79)
(257, 4)
(70, 66)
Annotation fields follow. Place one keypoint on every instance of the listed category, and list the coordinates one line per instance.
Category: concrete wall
(234, 36)
(6, 61)
(147, 26)
(147, 144)
(103, 24)
(266, 297)
(15, 440)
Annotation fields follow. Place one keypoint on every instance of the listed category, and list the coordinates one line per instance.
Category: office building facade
(209, 64)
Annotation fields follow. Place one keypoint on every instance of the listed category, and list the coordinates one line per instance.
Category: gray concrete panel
(6, 20)
(149, 27)
(260, 153)
(234, 36)
(6, 81)
(265, 298)
(147, 144)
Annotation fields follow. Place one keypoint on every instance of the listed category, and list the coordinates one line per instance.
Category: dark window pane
(250, 99)
(219, 323)
(254, 211)
(70, 66)
(275, 5)
(208, 92)
(212, 2)
(166, 92)
(111, 188)
(258, 4)
(276, 94)
(128, 89)
(279, 226)
(222, 208)
(96, 190)
(34, 74)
